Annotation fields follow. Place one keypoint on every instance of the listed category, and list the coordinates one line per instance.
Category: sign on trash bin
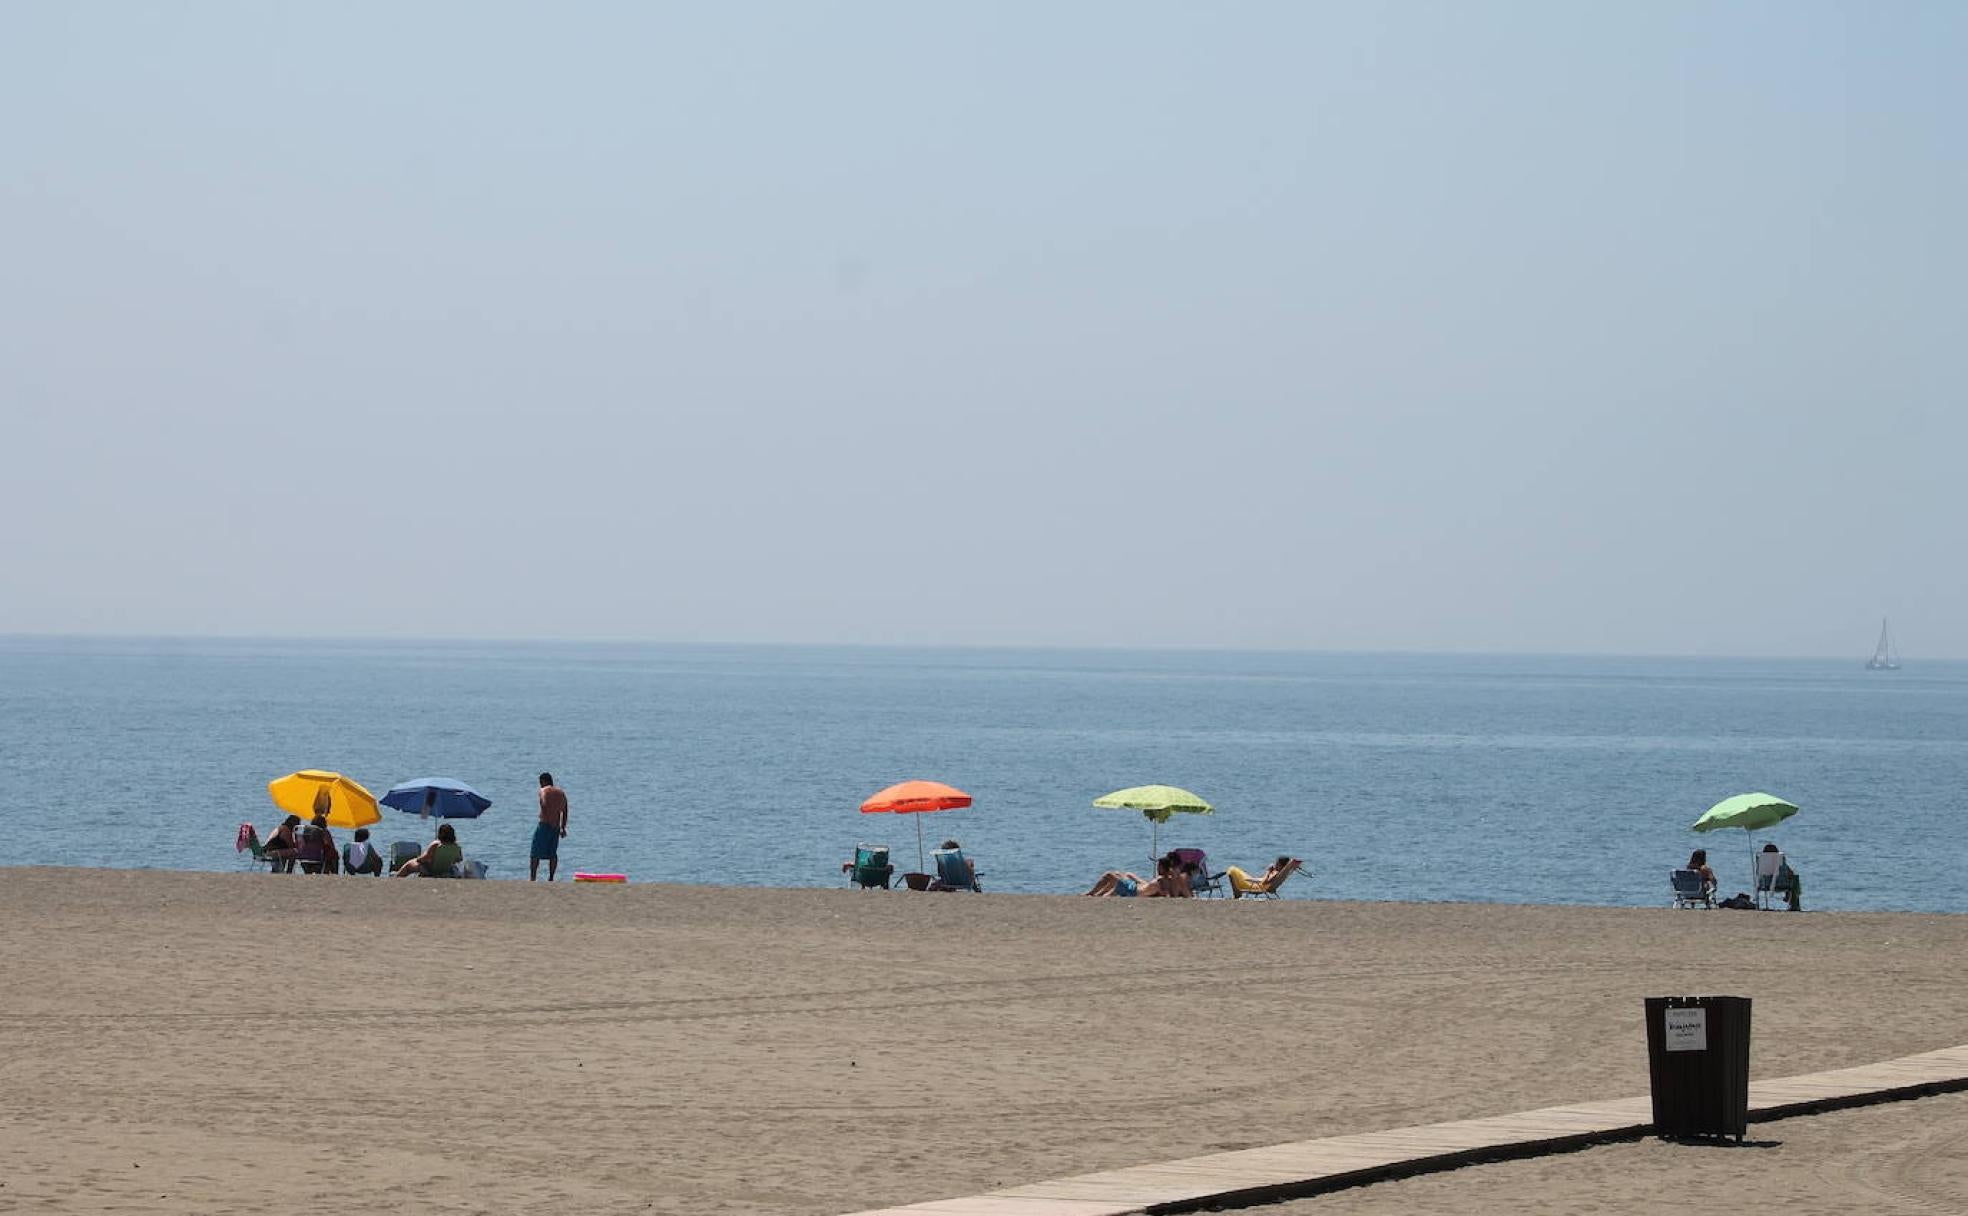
(1687, 1029)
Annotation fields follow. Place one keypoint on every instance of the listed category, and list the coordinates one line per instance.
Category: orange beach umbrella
(915, 798)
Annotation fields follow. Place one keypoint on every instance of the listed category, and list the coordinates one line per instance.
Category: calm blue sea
(1401, 777)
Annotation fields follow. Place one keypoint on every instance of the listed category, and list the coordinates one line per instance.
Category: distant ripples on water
(1547, 780)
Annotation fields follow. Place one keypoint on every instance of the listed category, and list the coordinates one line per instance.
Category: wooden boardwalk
(1309, 1167)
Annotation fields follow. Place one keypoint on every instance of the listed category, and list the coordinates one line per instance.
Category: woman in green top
(438, 860)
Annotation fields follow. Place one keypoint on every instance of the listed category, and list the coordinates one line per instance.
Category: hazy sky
(1518, 326)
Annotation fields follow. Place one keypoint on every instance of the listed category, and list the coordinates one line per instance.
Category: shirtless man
(547, 833)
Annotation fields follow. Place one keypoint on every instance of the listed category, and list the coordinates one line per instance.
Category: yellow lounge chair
(1265, 886)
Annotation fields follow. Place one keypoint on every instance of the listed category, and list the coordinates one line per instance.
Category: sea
(1493, 778)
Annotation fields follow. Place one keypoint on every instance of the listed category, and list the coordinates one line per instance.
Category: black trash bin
(1698, 1064)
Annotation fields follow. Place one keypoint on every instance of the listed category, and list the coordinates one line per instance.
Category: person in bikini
(283, 845)
(1242, 884)
(438, 860)
(1170, 882)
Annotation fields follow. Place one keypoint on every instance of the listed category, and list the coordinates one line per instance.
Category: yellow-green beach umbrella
(349, 805)
(1156, 803)
(1750, 812)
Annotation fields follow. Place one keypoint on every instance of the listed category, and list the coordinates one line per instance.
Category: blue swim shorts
(546, 842)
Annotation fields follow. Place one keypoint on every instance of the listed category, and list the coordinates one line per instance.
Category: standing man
(552, 826)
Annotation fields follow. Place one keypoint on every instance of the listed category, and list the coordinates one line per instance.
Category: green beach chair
(870, 867)
(252, 853)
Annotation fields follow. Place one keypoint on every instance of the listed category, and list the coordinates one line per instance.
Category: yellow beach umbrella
(302, 793)
(1156, 803)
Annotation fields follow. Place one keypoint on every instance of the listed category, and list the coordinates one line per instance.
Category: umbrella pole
(1154, 840)
(921, 864)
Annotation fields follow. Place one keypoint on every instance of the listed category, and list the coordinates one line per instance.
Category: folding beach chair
(1252, 888)
(360, 857)
(1768, 864)
(252, 854)
(870, 867)
(1201, 881)
(402, 851)
(1687, 887)
(954, 872)
(314, 855)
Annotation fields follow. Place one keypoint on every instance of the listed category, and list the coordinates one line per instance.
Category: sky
(1529, 327)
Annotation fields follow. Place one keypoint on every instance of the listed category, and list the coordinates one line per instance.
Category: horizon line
(1116, 648)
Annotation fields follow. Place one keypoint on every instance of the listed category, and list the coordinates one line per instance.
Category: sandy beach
(1897, 1157)
(245, 1043)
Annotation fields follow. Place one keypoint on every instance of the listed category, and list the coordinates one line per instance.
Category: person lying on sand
(1169, 882)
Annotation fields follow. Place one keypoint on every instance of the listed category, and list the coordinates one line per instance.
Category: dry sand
(1897, 1157)
(249, 1043)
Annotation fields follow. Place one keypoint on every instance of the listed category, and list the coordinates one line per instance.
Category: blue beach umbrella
(444, 797)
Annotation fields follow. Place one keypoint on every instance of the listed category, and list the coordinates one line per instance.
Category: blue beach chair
(1688, 890)
(954, 872)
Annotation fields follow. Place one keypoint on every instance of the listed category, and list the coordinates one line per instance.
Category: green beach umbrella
(1750, 812)
(1156, 803)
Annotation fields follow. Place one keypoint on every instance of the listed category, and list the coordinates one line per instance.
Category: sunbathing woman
(1242, 884)
(1117, 882)
(1169, 882)
(438, 860)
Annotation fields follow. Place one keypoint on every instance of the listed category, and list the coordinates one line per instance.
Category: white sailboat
(1882, 655)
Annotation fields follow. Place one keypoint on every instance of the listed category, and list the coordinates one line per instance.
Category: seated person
(283, 845)
(966, 867)
(438, 860)
(1242, 884)
(317, 852)
(1698, 862)
(331, 857)
(361, 857)
(1172, 878)
(1787, 883)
